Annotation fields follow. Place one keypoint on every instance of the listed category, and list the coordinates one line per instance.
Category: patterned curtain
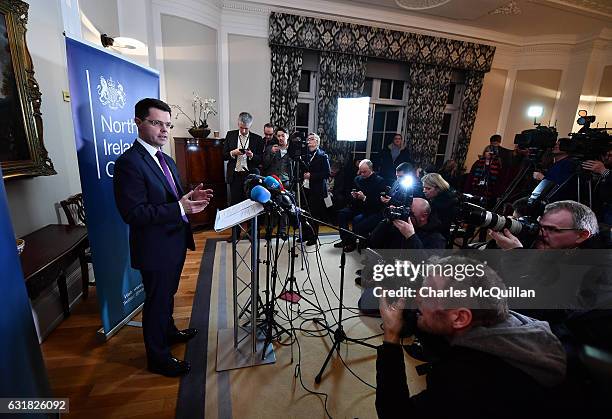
(341, 75)
(427, 95)
(284, 85)
(469, 107)
(350, 38)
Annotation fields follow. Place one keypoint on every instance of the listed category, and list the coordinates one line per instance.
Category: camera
(396, 213)
(481, 201)
(298, 145)
(588, 143)
(479, 217)
(242, 150)
(537, 140)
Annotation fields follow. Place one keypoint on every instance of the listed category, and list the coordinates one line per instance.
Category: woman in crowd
(316, 173)
(485, 176)
(442, 199)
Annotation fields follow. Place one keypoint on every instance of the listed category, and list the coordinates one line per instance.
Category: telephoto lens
(479, 217)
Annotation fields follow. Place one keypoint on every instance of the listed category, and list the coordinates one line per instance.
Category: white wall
(249, 80)
(33, 202)
(190, 65)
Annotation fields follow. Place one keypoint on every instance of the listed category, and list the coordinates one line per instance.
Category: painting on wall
(22, 151)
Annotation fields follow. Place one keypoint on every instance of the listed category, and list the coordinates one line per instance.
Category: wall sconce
(535, 112)
(122, 42)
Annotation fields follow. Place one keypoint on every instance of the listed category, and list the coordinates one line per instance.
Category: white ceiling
(534, 17)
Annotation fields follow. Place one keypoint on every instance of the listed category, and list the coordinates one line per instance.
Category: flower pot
(199, 132)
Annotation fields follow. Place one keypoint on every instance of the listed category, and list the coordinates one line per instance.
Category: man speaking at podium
(150, 199)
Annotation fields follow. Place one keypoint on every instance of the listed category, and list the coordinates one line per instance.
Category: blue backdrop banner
(22, 370)
(104, 89)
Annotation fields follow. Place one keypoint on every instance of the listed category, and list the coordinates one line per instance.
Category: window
(305, 115)
(387, 104)
(450, 121)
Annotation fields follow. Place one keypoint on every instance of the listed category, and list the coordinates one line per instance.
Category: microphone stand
(339, 335)
(269, 311)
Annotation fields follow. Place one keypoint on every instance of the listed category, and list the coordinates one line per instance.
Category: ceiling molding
(397, 20)
(594, 8)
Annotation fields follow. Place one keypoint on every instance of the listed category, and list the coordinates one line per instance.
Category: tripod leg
(333, 349)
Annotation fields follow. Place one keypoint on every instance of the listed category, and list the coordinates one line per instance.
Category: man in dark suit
(243, 151)
(150, 200)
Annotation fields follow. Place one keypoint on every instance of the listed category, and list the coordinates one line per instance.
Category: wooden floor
(110, 379)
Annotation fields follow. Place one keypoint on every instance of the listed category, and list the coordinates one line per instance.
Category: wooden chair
(75, 213)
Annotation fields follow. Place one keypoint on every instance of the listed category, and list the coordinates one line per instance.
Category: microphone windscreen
(272, 183)
(279, 181)
(260, 194)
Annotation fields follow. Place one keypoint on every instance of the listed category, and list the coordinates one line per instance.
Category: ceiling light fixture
(420, 4)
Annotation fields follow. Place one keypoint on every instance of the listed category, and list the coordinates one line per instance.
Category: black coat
(231, 142)
(158, 235)
(371, 187)
(443, 207)
(464, 383)
(387, 165)
(318, 167)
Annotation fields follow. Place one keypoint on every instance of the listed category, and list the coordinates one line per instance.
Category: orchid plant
(202, 108)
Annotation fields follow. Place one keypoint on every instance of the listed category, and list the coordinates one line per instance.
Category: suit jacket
(319, 173)
(159, 237)
(256, 144)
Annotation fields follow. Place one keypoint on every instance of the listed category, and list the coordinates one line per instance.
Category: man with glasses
(564, 225)
(243, 151)
(150, 199)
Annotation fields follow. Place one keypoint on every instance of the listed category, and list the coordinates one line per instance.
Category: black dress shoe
(358, 281)
(339, 245)
(311, 242)
(182, 336)
(172, 367)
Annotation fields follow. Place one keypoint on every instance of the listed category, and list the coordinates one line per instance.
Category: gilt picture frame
(22, 151)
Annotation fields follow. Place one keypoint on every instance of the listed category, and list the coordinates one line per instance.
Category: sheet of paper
(236, 214)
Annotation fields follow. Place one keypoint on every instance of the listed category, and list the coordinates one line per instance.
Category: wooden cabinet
(200, 160)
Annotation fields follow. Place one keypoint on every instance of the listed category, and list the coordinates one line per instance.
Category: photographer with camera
(563, 225)
(365, 210)
(603, 186)
(316, 173)
(406, 186)
(276, 159)
(391, 157)
(493, 362)
(442, 199)
(564, 167)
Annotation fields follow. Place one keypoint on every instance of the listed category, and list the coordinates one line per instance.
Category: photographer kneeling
(496, 363)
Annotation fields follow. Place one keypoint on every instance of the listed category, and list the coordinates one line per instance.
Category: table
(47, 255)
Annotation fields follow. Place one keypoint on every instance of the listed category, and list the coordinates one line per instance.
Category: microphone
(251, 181)
(262, 195)
(272, 183)
(279, 181)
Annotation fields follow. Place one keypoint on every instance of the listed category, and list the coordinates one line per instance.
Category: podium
(243, 345)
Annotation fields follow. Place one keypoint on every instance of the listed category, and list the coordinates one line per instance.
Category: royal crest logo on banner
(104, 88)
(111, 94)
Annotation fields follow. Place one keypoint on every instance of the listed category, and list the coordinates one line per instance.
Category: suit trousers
(157, 322)
(237, 187)
(362, 223)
